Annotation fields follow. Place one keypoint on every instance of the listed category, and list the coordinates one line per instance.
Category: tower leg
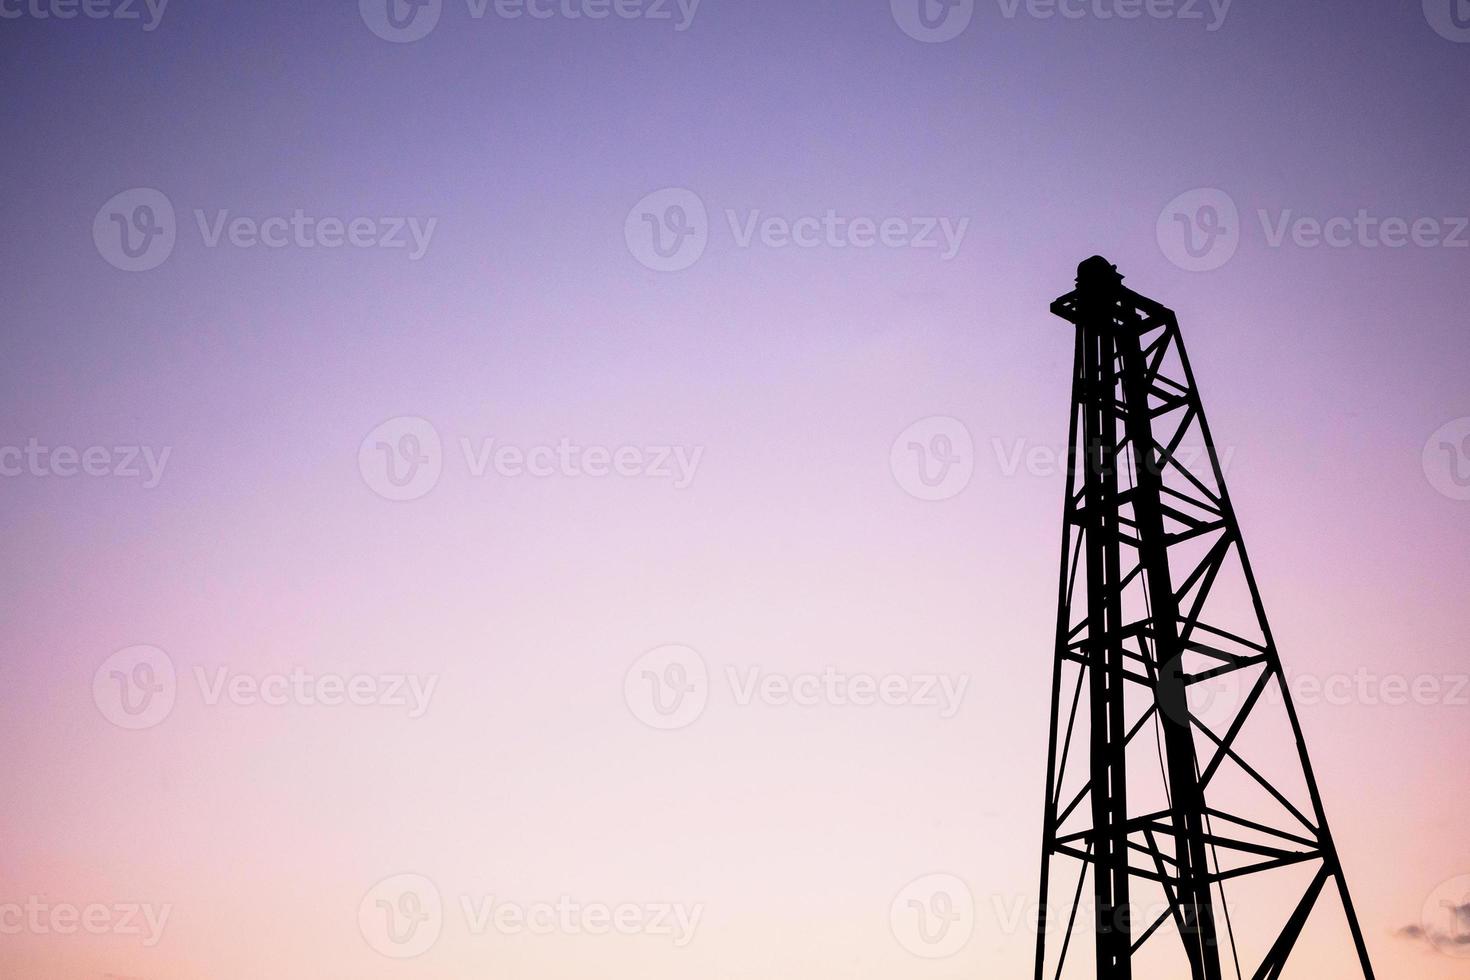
(1104, 655)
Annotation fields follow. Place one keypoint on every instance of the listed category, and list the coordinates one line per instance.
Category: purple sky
(1331, 375)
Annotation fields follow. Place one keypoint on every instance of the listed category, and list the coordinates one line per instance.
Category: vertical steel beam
(1104, 647)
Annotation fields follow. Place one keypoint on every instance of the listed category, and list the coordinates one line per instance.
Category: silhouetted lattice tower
(1178, 782)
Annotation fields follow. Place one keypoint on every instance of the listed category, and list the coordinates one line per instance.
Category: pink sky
(794, 549)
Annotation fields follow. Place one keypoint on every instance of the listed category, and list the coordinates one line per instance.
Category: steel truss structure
(1158, 611)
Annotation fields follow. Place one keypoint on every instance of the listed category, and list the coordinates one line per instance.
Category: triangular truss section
(1178, 776)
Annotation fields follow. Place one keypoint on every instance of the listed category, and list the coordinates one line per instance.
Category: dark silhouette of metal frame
(1133, 504)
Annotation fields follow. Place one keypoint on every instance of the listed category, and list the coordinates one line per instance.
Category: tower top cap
(1097, 271)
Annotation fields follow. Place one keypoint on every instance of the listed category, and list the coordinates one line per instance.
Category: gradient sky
(529, 320)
